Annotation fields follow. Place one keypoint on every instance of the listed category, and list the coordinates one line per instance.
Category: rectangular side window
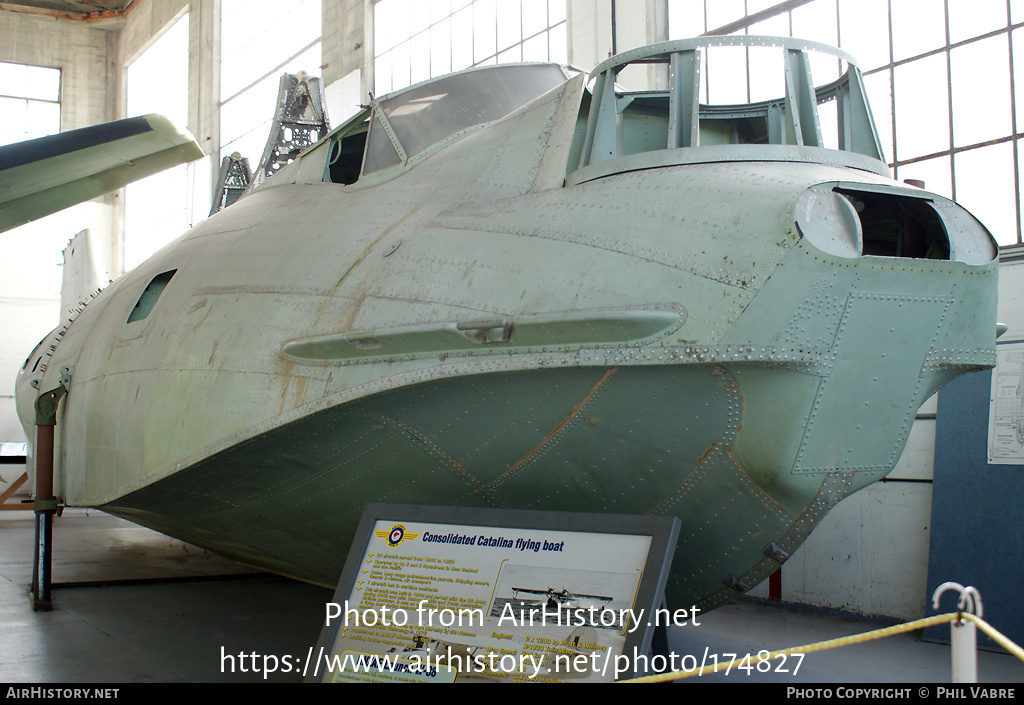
(149, 296)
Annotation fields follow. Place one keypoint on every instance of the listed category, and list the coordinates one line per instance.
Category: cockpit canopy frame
(409, 124)
(789, 120)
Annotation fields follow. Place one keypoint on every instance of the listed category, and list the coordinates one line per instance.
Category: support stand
(45, 504)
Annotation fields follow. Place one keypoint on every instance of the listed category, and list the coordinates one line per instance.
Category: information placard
(445, 594)
(1006, 406)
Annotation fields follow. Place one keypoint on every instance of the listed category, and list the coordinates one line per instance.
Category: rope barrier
(995, 635)
(845, 641)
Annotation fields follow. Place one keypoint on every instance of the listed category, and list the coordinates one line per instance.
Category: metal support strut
(45, 504)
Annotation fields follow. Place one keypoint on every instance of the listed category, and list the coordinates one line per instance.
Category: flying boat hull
(674, 336)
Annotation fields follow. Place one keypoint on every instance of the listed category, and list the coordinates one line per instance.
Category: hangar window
(416, 40)
(29, 102)
(257, 46)
(156, 209)
(149, 297)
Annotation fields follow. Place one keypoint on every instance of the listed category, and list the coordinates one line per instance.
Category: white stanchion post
(963, 640)
(963, 635)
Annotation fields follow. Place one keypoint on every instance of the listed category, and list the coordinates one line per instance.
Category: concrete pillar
(589, 24)
(591, 27)
(347, 51)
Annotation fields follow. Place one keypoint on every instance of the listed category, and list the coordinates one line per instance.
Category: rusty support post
(44, 519)
(45, 504)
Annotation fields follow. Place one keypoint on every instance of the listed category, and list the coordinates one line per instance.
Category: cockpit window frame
(373, 120)
(409, 155)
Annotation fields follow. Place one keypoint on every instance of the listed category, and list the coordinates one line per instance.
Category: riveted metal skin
(653, 340)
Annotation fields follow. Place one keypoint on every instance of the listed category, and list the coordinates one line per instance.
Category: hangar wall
(84, 53)
(870, 555)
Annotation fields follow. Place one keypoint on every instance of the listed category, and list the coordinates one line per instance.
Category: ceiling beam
(78, 15)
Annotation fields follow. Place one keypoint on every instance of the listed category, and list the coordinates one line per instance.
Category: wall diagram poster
(1006, 408)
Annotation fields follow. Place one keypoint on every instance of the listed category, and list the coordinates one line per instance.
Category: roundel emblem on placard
(396, 535)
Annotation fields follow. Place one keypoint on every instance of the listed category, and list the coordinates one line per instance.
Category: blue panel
(977, 534)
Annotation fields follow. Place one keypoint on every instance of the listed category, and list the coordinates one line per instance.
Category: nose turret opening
(895, 226)
(850, 221)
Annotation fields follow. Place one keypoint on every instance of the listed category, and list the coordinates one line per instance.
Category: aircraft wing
(45, 175)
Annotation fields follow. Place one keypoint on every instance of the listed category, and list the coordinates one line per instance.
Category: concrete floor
(153, 628)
